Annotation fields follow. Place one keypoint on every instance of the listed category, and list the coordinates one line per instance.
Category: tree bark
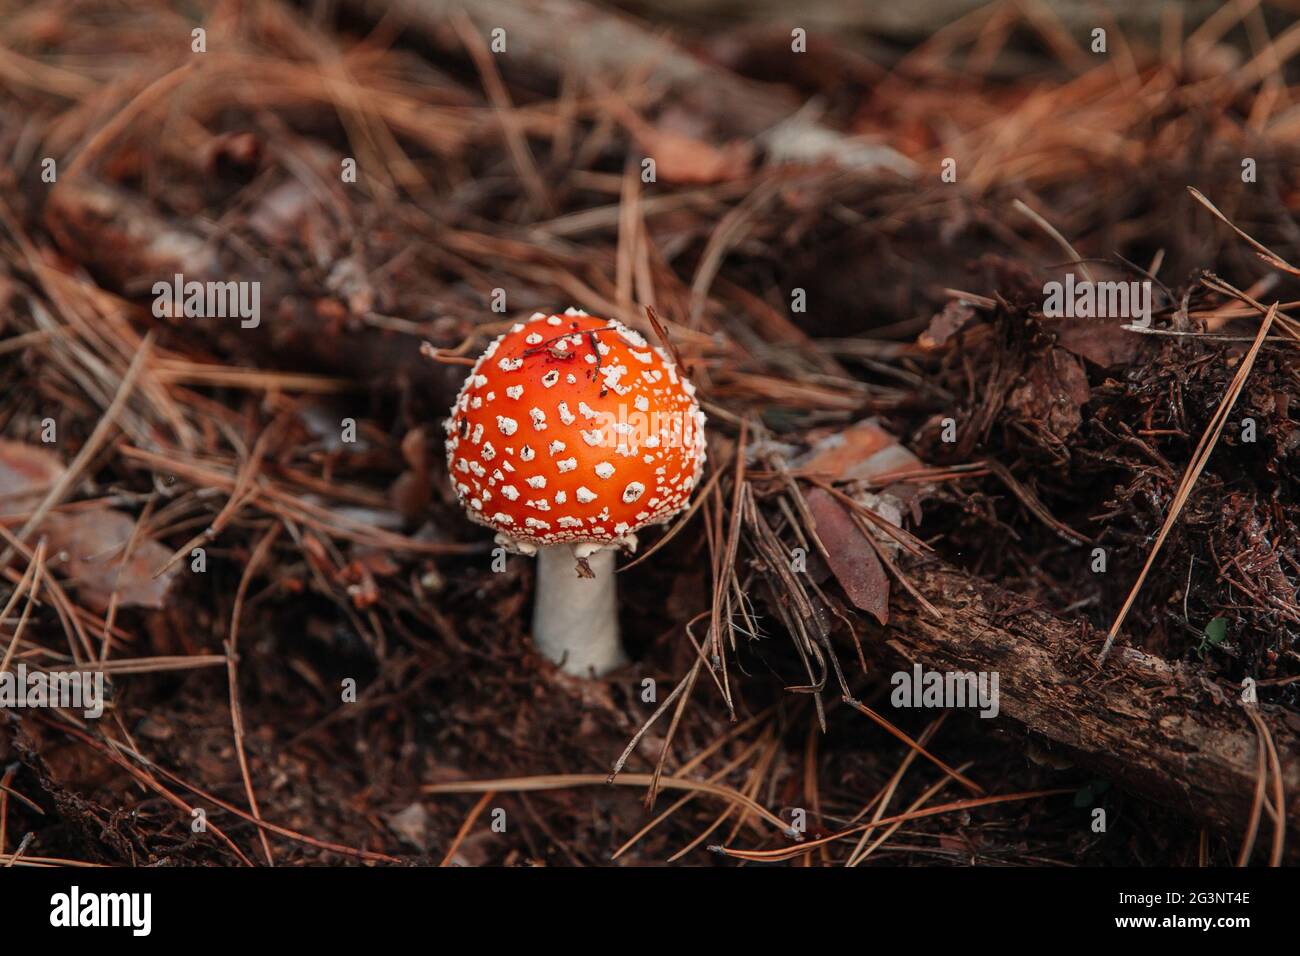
(1160, 729)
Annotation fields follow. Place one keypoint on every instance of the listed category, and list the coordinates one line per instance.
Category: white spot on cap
(632, 492)
(506, 426)
(605, 469)
(632, 336)
(566, 464)
(586, 495)
(550, 378)
(537, 481)
(514, 391)
(611, 374)
(555, 447)
(510, 492)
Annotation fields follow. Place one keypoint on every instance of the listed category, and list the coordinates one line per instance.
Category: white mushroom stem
(575, 619)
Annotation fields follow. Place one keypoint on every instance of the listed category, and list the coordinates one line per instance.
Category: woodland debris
(97, 550)
(603, 42)
(850, 555)
(1151, 725)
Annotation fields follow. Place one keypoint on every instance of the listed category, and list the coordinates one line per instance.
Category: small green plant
(1214, 634)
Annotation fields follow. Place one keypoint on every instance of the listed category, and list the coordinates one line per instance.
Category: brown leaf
(1100, 341)
(84, 546)
(93, 543)
(1054, 391)
(853, 560)
(26, 473)
(862, 452)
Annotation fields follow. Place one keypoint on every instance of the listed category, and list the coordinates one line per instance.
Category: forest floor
(236, 523)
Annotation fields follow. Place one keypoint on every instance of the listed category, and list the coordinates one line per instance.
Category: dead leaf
(862, 452)
(26, 473)
(1100, 341)
(1053, 393)
(852, 558)
(86, 546)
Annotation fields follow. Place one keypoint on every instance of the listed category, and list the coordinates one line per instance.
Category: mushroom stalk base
(575, 619)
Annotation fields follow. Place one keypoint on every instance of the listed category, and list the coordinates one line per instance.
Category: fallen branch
(1160, 729)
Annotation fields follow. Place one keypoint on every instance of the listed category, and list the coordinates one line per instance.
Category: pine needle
(1203, 450)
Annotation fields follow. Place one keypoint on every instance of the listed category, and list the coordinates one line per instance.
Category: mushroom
(569, 436)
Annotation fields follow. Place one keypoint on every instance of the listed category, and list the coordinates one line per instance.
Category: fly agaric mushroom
(569, 436)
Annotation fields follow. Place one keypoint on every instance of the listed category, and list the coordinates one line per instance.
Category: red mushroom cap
(572, 428)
